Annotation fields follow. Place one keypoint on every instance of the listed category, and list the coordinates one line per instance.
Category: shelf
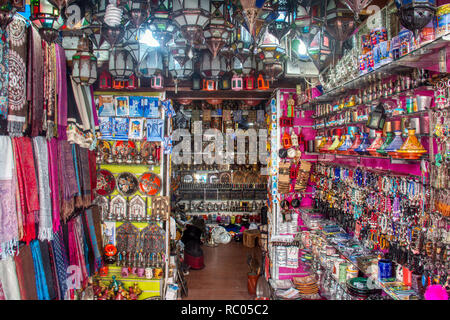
(425, 57)
(393, 160)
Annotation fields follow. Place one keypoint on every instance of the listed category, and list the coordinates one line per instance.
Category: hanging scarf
(25, 273)
(47, 267)
(87, 252)
(45, 202)
(4, 77)
(62, 92)
(93, 239)
(89, 246)
(74, 124)
(36, 66)
(41, 282)
(82, 155)
(93, 172)
(68, 182)
(79, 241)
(54, 272)
(76, 251)
(61, 261)
(26, 176)
(8, 279)
(54, 186)
(97, 223)
(17, 85)
(78, 197)
(94, 109)
(9, 235)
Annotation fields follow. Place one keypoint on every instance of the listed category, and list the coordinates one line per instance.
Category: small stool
(250, 237)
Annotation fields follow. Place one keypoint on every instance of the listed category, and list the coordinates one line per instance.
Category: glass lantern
(178, 71)
(151, 64)
(84, 71)
(157, 81)
(104, 80)
(219, 28)
(236, 83)
(160, 22)
(243, 43)
(377, 118)
(138, 12)
(121, 64)
(46, 18)
(414, 15)
(212, 68)
(262, 83)
(178, 49)
(191, 16)
(302, 18)
(196, 81)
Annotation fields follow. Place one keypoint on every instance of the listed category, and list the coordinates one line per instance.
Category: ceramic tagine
(336, 142)
(327, 145)
(355, 144)
(389, 137)
(397, 142)
(376, 144)
(362, 148)
(346, 145)
(411, 148)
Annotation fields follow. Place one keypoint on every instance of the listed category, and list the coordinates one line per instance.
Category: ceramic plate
(150, 184)
(105, 182)
(124, 148)
(127, 184)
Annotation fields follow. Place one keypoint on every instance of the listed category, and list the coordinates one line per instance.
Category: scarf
(62, 92)
(89, 246)
(41, 282)
(26, 176)
(97, 223)
(17, 85)
(93, 239)
(45, 202)
(76, 255)
(25, 273)
(4, 77)
(84, 175)
(36, 65)
(8, 279)
(68, 183)
(94, 109)
(54, 272)
(9, 234)
(54, 186)
(93, 172)
(47, 268)
(79, 241)
(78, 197)
(61, 261)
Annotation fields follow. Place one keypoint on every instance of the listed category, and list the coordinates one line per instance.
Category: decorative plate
(225, 177)
(188, 178)
(105, 182)
(124, 148)
(150, 184)
(127, 184)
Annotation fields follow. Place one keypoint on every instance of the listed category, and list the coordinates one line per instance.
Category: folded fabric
(41, 281)
(8, 279)
(25, 273)
(9, 234)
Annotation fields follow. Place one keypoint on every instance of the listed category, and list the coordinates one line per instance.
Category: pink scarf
(52, 146)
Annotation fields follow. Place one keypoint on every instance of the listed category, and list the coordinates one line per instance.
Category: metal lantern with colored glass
(151, 64)
(138, 12)
(302, 18)
(212, 68)
(340, 20)
(160, 22)
(191, 16)
(84, 71)
(377, 118)
(179, 49)
(243, 43)
(46, 18)
(219, 27)
(180, 72)
(121, 64)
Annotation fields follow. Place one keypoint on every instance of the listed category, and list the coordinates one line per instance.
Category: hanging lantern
(84, 71)
(7, 13)
(99, 9)
(302, 18)
(377, 118)
(225, 82)
(281, 26)
(262, 83)
(219, 28)
(178, 49)
(104, 81)
(138, 11)
(46, 18)
(356, 6)
(340, 20)
(243, 43)
(320, 48)
(236, 83)
(178, 71)
(112, 35)
(196, 81)
(160, 22)
(121, 64)
(414, 15)
(151, 64)
(157, 81)
(119, 84)
(191, 16)
(132, 82)
(212, 68)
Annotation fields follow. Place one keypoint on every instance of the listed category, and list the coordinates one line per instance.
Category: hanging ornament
(160, 22)
(151, 64)
(251, 10)
(180, 72)
(414, 15)
(138, 11)
(340, 21)
(46, 18)
(191, 16)
(112, 35)
(121, 64)
(212, 68)
(179, 49)
(84, 71)
(219, 28)
(243, 43)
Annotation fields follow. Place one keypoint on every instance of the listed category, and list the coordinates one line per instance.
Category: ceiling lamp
(302, 18)
(180, 72)
(320, 48)
(179, 49)
(191, 16)
(121, 64)
(281, 26)
(160, 22)
(269, 47)
(414, 15)
(340, 20)
(84, 71)
(219, 28)
(243, 43)
(139, 11)
(113, 15)
(212, 68)
(151, 64)
(356, 6)
(249, 65)
(46, 18)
